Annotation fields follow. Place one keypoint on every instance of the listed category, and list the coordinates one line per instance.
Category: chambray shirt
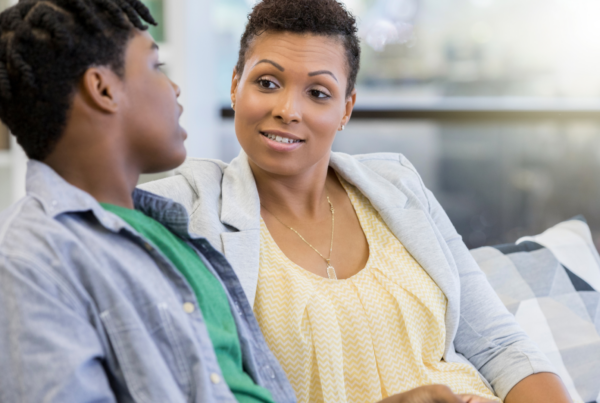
(91, 312)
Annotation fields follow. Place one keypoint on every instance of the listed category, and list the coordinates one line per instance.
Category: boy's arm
(49, 352)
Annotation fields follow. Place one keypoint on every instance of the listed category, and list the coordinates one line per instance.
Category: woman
(361, 285)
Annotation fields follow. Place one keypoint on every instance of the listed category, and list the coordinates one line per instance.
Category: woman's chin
(275, 165)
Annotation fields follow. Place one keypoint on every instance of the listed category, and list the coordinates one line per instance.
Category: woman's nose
(288, 108)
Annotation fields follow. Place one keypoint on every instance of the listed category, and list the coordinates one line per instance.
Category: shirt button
(269, 372)
(188, 307)
(214, 378)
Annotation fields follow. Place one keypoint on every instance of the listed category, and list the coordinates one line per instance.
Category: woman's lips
(278, 145)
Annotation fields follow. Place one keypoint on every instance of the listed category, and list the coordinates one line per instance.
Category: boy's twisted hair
(45, 47)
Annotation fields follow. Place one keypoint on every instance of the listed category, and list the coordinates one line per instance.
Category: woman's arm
(539, 388)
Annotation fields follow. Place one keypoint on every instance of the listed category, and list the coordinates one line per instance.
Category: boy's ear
(101, 88)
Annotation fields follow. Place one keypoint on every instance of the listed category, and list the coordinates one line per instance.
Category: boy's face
(150, 111)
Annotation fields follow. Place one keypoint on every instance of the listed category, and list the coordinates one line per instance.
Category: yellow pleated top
(378, 333)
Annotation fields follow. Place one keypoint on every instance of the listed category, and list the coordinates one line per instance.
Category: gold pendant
(331, 273)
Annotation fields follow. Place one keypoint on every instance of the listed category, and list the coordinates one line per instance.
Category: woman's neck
(296, 197)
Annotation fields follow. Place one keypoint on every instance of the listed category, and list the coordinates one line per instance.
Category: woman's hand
(433, 394)
(428, 394)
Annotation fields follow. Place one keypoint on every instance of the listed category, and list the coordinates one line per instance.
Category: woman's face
(291, 100)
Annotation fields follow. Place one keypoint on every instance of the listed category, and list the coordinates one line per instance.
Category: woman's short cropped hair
(318, 17)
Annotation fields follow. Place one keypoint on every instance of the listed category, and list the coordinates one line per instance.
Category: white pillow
(551, 283)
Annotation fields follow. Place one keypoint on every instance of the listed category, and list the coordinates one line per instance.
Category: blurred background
(496, 102)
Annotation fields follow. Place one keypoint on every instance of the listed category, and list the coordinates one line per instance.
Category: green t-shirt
(212, 300)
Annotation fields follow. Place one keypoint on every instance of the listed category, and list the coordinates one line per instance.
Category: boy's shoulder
(30, 232)
(20, 222)
(32, 246)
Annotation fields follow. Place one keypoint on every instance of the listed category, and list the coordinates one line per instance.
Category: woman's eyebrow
(316, 73)
(278, 66)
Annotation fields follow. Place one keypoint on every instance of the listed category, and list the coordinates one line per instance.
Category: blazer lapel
(406, 218)
(242, 250)
(241, 211)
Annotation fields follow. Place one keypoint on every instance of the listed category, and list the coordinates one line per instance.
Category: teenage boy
(104, 295)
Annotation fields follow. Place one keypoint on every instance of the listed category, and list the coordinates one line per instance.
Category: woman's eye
(267, 84)
(318, 94)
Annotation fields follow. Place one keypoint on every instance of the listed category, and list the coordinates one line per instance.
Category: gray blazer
(223, 203)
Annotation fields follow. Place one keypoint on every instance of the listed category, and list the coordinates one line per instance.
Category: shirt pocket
(148, 352)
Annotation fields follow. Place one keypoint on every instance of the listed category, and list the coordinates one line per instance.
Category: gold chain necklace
(330, 270)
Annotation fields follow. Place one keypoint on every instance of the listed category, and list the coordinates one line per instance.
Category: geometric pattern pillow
(551, 283)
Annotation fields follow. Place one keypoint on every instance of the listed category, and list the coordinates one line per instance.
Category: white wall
(191, 60)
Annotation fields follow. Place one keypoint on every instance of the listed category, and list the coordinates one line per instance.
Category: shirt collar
(166, 211)
(58, 197)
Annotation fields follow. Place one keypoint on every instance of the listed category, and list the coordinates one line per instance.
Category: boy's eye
(266, 84)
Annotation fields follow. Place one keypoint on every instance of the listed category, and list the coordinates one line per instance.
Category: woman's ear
(101, 89)
(234, 84)
(350, 101)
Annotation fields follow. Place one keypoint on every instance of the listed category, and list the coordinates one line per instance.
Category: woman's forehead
(291, 49)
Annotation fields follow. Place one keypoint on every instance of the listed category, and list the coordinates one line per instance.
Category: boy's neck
(96, 163)
(108, 181)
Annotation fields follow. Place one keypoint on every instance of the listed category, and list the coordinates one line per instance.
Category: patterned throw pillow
(551, 283)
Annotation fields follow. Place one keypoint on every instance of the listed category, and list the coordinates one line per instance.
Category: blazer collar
(241, 203)
(381, 193)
